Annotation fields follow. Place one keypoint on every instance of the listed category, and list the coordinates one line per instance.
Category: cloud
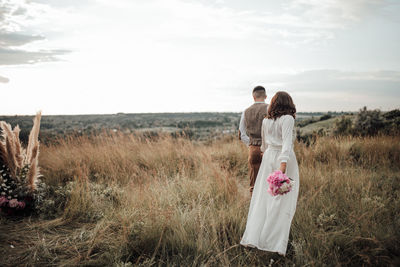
(4, 79)
(18, 56)
(334, 13)
(318, 21)
(339, 81)
(17, 39)
(15, 16)
(340, 75)
(290, 23)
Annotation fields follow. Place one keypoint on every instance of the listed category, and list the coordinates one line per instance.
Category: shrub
(343, 126)
(325, 117)
(368, 122)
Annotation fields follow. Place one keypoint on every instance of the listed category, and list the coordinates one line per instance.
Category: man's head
(259, 93)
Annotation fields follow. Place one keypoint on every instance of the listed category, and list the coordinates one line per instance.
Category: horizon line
(179, 112)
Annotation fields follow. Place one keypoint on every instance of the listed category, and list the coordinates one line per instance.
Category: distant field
(199, 126)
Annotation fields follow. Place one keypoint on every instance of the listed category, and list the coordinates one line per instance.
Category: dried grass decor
(19, 168)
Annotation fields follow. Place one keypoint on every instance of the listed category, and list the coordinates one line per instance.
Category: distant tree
(368, 122)
(343, 126)
(392, 122)
(325, 117)
(391, 115)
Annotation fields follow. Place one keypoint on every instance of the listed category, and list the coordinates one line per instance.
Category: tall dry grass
(134, 201)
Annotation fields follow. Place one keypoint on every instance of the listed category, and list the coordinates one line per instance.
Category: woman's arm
(283, 167)
(287, 141)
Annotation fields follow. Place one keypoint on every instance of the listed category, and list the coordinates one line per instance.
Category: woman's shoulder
(287, 118)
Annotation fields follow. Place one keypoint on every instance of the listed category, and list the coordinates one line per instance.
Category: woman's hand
(283, 167)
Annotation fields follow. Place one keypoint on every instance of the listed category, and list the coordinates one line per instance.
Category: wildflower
(3, 200)
(13, 203)
(21, 205)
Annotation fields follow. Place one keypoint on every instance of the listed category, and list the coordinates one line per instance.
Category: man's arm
(242, 131)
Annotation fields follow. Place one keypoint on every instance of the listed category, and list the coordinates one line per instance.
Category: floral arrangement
(279, 183)
(19, 170)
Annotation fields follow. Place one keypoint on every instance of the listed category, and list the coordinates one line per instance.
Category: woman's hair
(281, 104)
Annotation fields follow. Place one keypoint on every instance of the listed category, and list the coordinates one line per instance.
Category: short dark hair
(258, 88)
(259, 92)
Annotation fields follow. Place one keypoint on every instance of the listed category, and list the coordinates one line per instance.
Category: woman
(270, 217)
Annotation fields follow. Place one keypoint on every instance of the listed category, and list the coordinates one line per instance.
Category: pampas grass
(17, 159)
(9, 140)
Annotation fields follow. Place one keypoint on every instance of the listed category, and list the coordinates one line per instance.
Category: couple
(269, 132)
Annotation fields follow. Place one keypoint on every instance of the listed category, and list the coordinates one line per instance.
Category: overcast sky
(109, 56)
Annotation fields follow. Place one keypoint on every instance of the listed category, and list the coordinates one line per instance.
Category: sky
(134, 56)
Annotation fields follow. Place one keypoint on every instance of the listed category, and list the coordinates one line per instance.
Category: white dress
(270, 217)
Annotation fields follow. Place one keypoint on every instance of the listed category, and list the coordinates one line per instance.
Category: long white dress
(270, 217)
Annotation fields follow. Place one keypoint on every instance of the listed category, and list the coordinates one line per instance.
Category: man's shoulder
(255, 107)
(247, 109)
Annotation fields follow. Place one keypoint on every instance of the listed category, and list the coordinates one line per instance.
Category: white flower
(283, 188)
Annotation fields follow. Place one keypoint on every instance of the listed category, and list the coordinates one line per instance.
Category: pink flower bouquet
(279, 183)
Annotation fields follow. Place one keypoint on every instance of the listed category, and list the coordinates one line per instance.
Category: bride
(270, 217)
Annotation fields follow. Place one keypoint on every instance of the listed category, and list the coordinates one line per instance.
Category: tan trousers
(255, 158)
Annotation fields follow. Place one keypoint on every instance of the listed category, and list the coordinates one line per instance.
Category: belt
(274, 147)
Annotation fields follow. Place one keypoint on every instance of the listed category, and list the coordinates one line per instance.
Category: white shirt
(242, 128)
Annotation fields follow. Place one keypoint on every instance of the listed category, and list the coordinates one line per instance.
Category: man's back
(253, 117)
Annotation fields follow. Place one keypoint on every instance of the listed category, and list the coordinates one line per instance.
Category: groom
(250, 131)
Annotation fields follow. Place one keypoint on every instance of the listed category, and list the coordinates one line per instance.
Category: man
(250, 131)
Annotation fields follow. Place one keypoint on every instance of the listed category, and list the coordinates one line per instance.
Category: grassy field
(123, 200)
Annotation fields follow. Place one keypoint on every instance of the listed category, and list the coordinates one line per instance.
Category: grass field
(121, 200)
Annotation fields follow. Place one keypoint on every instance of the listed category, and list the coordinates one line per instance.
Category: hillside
(326, 125)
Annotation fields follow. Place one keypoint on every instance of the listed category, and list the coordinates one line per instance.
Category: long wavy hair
(281, 104)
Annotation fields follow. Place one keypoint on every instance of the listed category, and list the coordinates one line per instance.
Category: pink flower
(13, 203)
(21, 205)
(3, 201)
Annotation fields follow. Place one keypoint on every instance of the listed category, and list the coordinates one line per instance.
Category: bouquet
(279, 183)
